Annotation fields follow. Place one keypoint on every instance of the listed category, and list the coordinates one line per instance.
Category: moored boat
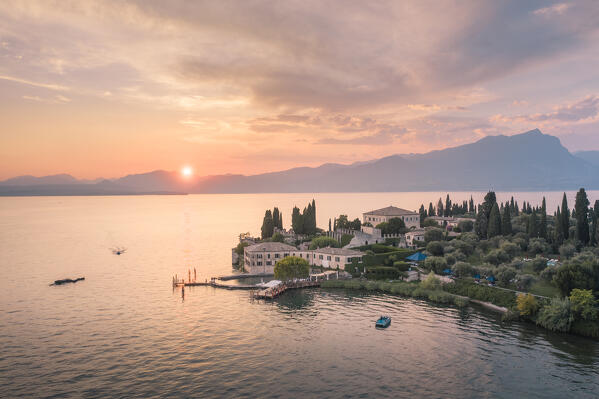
(383, 322)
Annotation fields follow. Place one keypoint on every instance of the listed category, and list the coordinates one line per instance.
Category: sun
(187, 171)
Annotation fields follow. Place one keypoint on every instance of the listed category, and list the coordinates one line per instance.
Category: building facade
(261, 258)
(410, 218)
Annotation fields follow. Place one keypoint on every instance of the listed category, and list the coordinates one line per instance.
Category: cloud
(48, 86)
(581, 110)
(556, 9)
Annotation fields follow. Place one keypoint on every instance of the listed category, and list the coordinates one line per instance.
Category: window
(328, 258)
(259, 263)
(268, 256)
(268, 263)
(259, 256)
(337, 259)
(320, 257)
(277, 256)
(349, 260)
(286, 255)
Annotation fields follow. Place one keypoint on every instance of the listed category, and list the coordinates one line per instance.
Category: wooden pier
(273, 292)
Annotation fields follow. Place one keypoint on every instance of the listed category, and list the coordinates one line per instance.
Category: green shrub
(401, 266)
(431, 282)
(482, 293)
(556, 316)
(527, 305)
(382, 273)
(585, 328)
(324, 241)
(346, 239)
(436, 264)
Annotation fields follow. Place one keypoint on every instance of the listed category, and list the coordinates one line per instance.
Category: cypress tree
(422, 213)
(296, 221)
(559, 233)
(447, 206)
(431, 209)
(440, 207)
(565, 219)
(267, 225)
(533, 225)
(471, 205)
(481, 223)
(516, 209)
(330, 225)
(512, 205)
(594, 218)
(582, 217)
(277, 218)
(506, 221)
(494, 228)
(543, 222)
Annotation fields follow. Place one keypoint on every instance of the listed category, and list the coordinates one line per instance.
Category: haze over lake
(124, 332)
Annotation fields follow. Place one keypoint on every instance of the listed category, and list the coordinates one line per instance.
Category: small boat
(383, 322)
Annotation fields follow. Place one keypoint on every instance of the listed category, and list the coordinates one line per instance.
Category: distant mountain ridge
(530, 161)
(591, 157)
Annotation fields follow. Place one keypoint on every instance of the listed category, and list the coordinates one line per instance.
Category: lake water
(124, 332)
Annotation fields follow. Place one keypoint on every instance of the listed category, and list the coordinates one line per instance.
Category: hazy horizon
(105, 89)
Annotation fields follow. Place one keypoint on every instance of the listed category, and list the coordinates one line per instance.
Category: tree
(330, 227)
(433, 234)
(435, 248)
(435, 263)
(593, 228)
(527, 305)
(277, 218)
(431, 209)
(291, 267)
(494, 228)
(431, 282)
(565, 218)
(582, 217)
(423, 214)
(506, 221)
(558, 233)
(463, 269)
(267, 225)
(505, 274)
(481, 223)
(471, 206)
(342, 222)
(324, 241)
(465, 226)
(543, 221)
(440, 207)
(277, 237)
(393, 226)
(447, 206)
(296, 221)
(583, 304)
(579, 272)
(533, 225)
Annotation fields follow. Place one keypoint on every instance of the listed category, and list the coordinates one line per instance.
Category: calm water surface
(124, 332)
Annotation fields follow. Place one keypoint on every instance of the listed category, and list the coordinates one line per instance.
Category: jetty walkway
(275, 291)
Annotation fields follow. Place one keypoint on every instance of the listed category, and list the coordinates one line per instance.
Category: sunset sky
(108, 88)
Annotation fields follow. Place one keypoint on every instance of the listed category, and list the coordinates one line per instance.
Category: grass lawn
(544, 288)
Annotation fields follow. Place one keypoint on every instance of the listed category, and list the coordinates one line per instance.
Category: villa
(331, 257)
(261, 258)
(410, 218)
(414, 235)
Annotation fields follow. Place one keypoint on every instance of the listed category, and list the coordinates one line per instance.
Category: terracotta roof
(391, 211)
(270, 247)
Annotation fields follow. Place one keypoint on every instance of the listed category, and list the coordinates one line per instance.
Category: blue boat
(383, 322)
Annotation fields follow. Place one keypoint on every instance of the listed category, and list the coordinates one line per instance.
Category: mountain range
(530, 161)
